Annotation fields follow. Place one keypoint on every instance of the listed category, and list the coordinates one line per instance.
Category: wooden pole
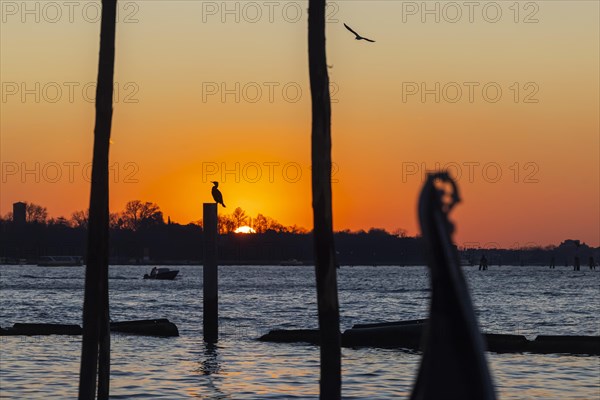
(95, 353)
(325, 264)
(210, 275)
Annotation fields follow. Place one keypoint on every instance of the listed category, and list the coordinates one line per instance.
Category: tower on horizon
(19, 213)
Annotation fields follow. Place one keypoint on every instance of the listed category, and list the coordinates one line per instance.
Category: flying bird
(216, 193)
(358, 37)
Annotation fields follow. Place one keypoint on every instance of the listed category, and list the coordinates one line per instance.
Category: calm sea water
(253, 300)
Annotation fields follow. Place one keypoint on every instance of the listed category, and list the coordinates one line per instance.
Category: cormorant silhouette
(358, 37)
(216, 193)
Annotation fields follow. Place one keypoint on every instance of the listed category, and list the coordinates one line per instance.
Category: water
(253, 300)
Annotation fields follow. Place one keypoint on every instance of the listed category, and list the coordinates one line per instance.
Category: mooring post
(210, 275)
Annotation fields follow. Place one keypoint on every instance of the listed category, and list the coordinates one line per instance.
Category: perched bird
(358, 37)
(216, 193)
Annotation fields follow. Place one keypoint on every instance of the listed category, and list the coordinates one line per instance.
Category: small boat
(60, 261)
(162, 273)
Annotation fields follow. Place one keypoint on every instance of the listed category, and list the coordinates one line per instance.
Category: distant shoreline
(174, 244)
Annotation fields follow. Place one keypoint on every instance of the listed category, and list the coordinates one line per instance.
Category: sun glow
(244, 229)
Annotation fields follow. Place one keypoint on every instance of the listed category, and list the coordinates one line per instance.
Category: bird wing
(350, 29)
(369, 40)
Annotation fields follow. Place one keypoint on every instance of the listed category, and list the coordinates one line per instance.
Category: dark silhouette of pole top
(358, 37)
(216, 193)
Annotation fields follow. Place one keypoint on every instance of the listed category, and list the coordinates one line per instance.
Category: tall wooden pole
(95, 350)
(210, 275)
(325, 265)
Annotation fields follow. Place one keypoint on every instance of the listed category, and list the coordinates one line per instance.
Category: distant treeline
(139, 234)
(138, 215)
(175, 243)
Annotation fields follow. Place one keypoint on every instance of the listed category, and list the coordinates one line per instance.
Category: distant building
(19, 213)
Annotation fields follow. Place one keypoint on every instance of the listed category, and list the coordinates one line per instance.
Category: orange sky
(204, 97)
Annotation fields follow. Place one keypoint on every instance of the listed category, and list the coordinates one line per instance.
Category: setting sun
(244, 229)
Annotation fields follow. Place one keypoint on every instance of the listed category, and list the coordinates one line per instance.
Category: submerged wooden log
(148, 327)
(566, 344)
(502, 343)
(393, 323)
(408, 335)
(32, 329)
(391, 335)
(311, 336)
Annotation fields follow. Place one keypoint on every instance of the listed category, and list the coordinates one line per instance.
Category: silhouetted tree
(239, 217)
(275, 226)
(378, 232)
(115, 221)
(95, 349)
(60, 221)
(262, 224)
(8, 217)
(35, 213)
(79, 219)
(259, 224)
(296, 229)
(138, 214)
(399, 232)
(325, 264)
(225, 224)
